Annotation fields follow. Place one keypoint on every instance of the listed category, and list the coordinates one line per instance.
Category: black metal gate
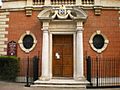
(103, 72)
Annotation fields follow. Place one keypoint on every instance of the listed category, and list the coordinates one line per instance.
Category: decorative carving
(63, 13)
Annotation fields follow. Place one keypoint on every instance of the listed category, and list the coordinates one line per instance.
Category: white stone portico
(62, 21)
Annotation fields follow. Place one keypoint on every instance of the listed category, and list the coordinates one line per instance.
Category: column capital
(79, 26)
(45, 29)
(79, 29)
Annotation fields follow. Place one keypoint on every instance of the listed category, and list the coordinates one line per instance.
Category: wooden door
(62, 56)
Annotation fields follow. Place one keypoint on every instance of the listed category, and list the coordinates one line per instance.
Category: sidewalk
(20, 86)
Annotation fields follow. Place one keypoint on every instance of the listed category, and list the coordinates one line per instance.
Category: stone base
(44, 78)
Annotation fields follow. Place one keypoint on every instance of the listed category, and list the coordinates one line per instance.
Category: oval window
(98, 41)
(28, 41)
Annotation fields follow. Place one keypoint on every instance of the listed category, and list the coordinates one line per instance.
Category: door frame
(51, 48)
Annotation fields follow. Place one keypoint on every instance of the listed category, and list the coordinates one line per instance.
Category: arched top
(62, 13)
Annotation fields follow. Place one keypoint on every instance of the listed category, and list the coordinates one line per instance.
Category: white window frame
(105, 42)
(21, 42)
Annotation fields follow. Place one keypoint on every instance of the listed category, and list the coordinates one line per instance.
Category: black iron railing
(29, 69)
(103, 72)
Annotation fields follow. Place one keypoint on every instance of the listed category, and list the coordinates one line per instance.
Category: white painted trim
(106, 42)
(21, 41)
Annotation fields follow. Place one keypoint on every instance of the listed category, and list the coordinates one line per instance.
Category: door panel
(62, 56)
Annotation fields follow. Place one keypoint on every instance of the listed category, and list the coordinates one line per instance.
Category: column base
(80, 78)
(44, 78)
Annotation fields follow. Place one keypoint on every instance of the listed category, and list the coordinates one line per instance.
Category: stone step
(61, 83)
(59, 86)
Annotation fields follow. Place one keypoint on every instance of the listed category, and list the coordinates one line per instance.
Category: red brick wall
(19, 23)
(108, 24)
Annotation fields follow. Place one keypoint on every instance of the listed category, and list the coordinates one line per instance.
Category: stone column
(79, 52)
(45, 56)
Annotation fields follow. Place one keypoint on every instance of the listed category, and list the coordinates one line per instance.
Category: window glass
(98, 41)
(28, 41)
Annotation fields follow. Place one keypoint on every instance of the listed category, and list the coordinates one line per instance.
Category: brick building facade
(92, 25)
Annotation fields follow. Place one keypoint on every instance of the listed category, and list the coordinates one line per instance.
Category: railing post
(27, 76)
(35, 67)
(89, 69)
(97, 70)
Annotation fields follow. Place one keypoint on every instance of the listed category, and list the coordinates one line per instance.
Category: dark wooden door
(62, 56)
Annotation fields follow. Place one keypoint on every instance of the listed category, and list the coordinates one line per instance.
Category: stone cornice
(41, 8)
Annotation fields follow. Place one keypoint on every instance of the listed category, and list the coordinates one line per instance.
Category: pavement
(21, 86)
